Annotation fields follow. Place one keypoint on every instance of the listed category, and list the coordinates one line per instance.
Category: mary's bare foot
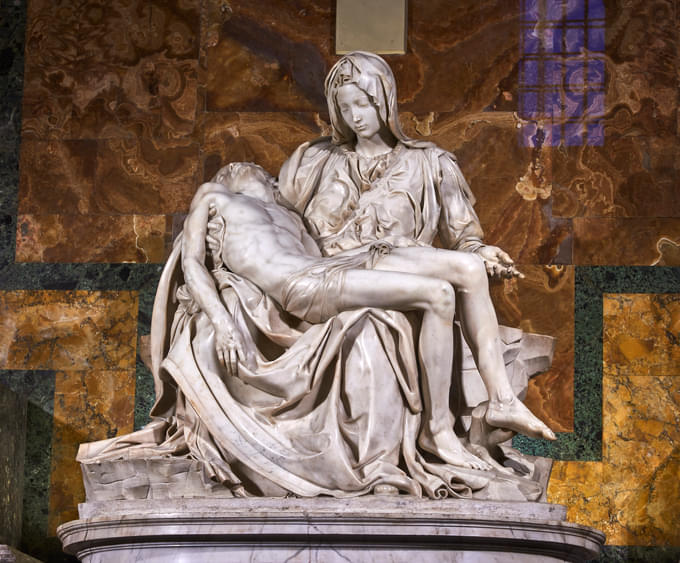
(513, 415)
(446, 445)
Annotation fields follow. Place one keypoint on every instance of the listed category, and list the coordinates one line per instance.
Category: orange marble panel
(634, 493)
(622, 241)
(642, 334)
(68, 330)
(92, 238)
(641, 441)
(88, 405)
(265, 138)
(578, 486)
(543, 303)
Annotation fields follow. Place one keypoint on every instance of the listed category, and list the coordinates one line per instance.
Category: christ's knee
(473, 276)
(443, 300)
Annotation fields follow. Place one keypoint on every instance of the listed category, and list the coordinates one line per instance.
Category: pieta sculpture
(307, 339)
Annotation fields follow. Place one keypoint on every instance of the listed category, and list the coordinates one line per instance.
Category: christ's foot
(514, 416)
(446, 446)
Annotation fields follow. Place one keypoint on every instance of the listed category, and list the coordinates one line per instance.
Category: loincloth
(312, 293)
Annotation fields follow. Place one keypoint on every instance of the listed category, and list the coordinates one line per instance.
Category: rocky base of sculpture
(9, 554)
(367, 529)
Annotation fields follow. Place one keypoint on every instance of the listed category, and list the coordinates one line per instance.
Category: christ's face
(251, 180)
(358, 111)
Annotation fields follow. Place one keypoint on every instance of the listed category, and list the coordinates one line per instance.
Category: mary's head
(370, 74)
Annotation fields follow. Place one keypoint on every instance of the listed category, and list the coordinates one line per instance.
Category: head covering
(373, 76)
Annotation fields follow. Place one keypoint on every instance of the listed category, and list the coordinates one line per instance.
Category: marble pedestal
(366, 529)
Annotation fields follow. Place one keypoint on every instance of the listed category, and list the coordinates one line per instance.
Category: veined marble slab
(394, 529)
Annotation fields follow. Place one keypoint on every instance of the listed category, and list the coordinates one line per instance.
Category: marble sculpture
(306, 334)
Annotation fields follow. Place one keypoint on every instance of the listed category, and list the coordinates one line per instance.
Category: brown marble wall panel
(107, 176)
(642, 48)
(110, 238)
(57, 176)
(269, 55)
(630, 176)
(512, 183)
(111, 68)
(267, 138)
(635, 173)
(460, 55)
(642, 334)
(274, 55)
(88, 405)
(66, 33)
(543, 303)
(68, 330)
(624, 241)
(145, 176)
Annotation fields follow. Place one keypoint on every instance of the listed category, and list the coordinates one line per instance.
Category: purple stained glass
(575, 71)
(595, 71)
(530, 10)
(574, 40)
(595, 133)
(595, 9)
(531, 42)
(528, 105)
(573, 134)
(553, 10)
(530, 72)
(553, 103)
(553, 134)
(552, 72)
(552, 40)
(595, 101)
(575, 10)
(562, 72)
(573, 105)
(596, 39)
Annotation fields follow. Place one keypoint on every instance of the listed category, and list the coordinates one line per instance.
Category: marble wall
(112, 112)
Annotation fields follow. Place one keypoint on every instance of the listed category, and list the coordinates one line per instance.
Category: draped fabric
(406, 197)
(327, 409)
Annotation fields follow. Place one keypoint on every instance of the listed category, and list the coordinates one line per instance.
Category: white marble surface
(398, 529)
(306, 335)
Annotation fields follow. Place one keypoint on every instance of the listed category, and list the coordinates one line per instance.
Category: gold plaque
(378, 26)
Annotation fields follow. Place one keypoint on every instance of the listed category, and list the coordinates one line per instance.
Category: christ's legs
(466, 272)
(402, 291)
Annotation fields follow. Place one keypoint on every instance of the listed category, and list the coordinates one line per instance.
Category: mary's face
(358, 111)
